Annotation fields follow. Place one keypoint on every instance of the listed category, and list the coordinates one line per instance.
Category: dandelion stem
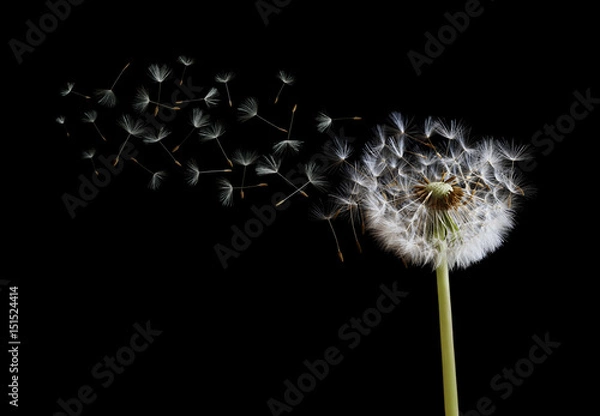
(447, 342)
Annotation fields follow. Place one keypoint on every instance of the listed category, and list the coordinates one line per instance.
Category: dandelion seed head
(244, 157)
(224, 77)
(268, 165)
(199, 119)
(425, 193)
(185, 60)
(155, 135)
(135, 127)
(323, 122)
(248, 109)
(89, 116)
(286, 77)
(159, 73)
(192, 172)
(225, 192)
(213, 131)
(68, 88)
(287, 146)
(156, 180)
(106, 98)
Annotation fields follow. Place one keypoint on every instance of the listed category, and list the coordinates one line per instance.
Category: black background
(231, 337)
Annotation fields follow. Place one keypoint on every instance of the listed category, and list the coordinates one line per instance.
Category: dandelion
(61, 120)
(90, 117)
(156, 136)
(338, 151)
(193, 172)
(324, 121)
(134, 128)
(185, 61)
(69, 90)
(156, 178)
(198, 120)
(213, 132)
(270, 166)
(314, 178)
(244, 158)
(210, 99)
(158, 73)
(327, 213)
(286, 79)
(434, 198)
(89, 155)
(224, 78)
(142, 100)
(107, 97)
(249, 109)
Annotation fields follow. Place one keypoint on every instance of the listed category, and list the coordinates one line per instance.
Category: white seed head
(159, 72)
(427, 193)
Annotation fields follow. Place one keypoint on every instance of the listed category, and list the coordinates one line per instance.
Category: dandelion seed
(142, 100)
(107, 97)
(244, 158)
(249, 109)
(268, 165)
(90, 117)
(210, 99)
(61, 120)
(134, 128)
(288, 145)
(156, 136)
(198, 120)
(314, 178)
(324, 121)
(321, 212)
(213, 132)
(158, 73)
(193, 172)
(89, 154)
(338, 151)
(69, 90)
(185, 61)
(286, 79)
(224, 78)
(157, 177)
(227, 190)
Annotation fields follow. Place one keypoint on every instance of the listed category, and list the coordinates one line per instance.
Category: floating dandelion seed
(286, 79)
(434, 198)
(328, 213)
(69, 90)
(210, 99)
(244, 158)
(107, 97)
(198, 120)
(314, 177)
(288, 145)
(156, 136)
(249, 109)
(134, 128)
(142, 100)
(324, 121)
(224, 78)
(158, 73)
(90, 117)
(89, 154)
(213, 132)
(61, 120)
(157, 177)
(226, 190)
(193, 172)
(185, 61)
(268, 165)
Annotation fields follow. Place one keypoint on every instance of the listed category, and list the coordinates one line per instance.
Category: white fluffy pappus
(428, 192)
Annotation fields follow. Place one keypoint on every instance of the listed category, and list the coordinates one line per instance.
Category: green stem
(447, 342)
